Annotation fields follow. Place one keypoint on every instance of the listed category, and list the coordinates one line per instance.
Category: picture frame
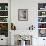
(23, 14)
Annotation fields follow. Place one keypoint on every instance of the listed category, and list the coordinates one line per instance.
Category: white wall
(32, 6)
(32, 13)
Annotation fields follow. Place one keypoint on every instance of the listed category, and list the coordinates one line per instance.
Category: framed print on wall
(23, 14)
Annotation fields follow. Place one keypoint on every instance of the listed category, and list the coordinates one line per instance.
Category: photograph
(23, 14)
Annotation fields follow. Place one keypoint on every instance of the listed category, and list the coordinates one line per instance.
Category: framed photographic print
(23, 14)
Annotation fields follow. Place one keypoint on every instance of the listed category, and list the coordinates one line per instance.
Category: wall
(32, 6)
(32, 13)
